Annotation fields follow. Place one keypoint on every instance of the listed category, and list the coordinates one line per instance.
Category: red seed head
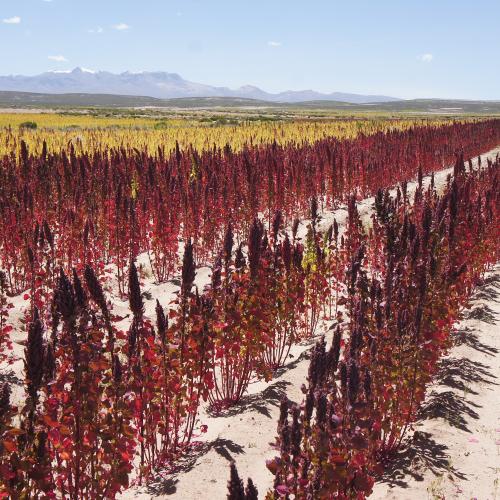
(188, 268)
(134, 292)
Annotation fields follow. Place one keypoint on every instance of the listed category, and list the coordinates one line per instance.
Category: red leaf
(9, 445)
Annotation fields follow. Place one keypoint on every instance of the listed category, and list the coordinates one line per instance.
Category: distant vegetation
(31, 125)
(111, 102)
(200, 129)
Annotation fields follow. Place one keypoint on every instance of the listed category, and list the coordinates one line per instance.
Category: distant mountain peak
(159, 84)
(78, 70)
(249, 87)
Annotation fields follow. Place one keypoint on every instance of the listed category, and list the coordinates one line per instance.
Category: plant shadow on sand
(482, 313)
(458, 373)
(270, 396)
(451, 407)
(418, 454)
(468, 337)
(10, 377)
(260, 402)
(166, 485)
(489, 289)
(303, 356)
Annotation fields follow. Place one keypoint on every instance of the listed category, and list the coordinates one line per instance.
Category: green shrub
(31, 125)
(160, 125)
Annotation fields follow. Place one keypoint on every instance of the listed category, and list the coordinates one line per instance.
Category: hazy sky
(403, 48)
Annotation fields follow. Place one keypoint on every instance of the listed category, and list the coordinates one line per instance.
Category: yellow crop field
(90, 133)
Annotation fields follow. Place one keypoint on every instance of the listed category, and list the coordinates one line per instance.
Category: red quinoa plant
(86, 414)
(241, 302)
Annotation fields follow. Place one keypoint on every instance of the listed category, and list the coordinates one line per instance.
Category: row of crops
(106, 405)
(86, 133)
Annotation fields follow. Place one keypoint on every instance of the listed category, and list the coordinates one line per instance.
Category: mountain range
(162, 85)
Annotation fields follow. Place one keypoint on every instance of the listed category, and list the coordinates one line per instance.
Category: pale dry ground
(245, 432)
(20, 111)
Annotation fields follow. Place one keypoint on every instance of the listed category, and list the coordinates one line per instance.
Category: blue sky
(404, 48)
